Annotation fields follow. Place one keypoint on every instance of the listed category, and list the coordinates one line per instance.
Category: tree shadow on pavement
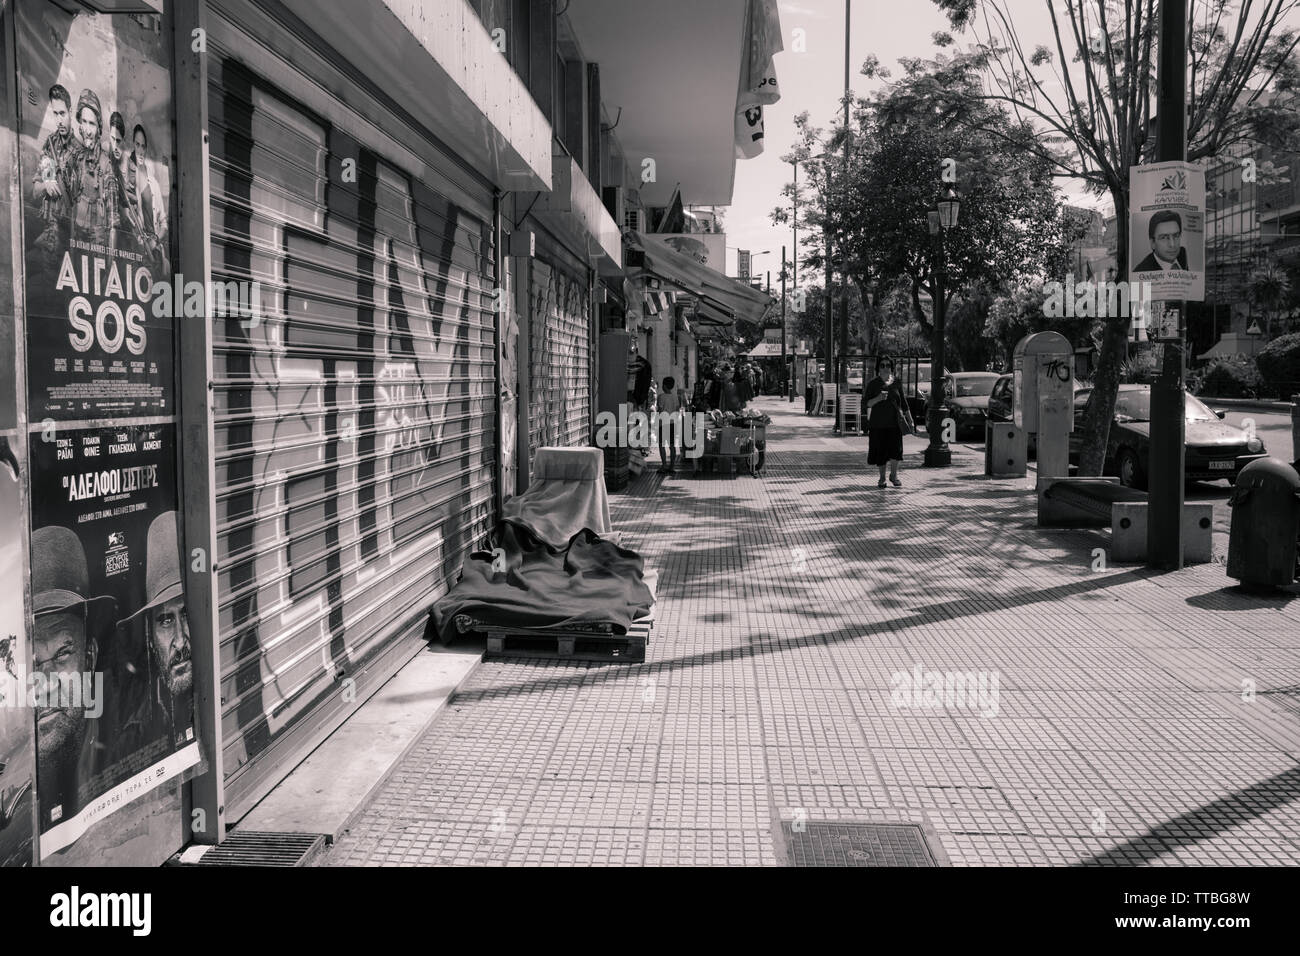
(1205, 822)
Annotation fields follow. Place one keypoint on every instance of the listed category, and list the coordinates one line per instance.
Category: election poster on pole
(1166, 247)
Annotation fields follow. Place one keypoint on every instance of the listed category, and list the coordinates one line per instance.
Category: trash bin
(1265, 506)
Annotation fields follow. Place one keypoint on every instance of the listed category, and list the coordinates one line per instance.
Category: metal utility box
(1043, 371)
(1043, 401)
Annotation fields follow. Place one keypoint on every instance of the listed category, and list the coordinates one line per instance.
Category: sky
(813, 80)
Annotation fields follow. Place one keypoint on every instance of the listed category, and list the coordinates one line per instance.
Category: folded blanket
(527, 583)
(566, 494)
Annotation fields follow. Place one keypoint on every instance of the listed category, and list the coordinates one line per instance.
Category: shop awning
(730, 300)
(765, 350)
(708, 315)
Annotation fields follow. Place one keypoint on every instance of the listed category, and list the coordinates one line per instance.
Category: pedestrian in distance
(729, 393)
(888, 421)
(668, 425)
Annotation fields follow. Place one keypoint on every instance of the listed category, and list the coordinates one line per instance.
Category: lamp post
(784, 375)
(794, 220)
(939, 221)
(828, 325)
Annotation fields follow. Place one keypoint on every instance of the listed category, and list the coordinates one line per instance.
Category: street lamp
(754, 255)
(939, 220)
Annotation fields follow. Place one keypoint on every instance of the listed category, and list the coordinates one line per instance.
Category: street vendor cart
(734, 439)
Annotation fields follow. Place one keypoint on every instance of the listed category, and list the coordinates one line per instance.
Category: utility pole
(842, 376)
(795, 220)
(784, 376)
(1167, 459)
(829, 318)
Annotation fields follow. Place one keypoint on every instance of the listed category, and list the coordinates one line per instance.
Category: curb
(1247, 403)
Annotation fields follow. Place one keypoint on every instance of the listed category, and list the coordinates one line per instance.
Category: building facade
(384, 235)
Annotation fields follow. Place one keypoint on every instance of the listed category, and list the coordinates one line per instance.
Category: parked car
(916, 390)
(966, 398)
(1002, 400)
(1213, 448)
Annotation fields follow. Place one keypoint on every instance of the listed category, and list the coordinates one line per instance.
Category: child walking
(668, 425)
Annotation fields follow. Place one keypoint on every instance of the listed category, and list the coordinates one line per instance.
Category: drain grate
(258, 848)
(857, 844)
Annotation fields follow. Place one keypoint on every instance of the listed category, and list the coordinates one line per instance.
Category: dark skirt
(884, 445)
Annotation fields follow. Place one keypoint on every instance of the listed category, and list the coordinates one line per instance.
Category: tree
(1019, 313)
(874, 207)
(810, 324)
(1090, 94)
(1269, 290)
(968, 346)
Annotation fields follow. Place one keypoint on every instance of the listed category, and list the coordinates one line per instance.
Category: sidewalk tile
(1138, 718)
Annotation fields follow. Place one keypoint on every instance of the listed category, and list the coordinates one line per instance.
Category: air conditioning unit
(623, 207)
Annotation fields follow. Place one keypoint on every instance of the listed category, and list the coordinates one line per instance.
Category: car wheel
(1130, 470)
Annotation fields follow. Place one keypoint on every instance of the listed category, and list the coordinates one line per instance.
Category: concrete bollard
(1005, 447)
(1129, 532)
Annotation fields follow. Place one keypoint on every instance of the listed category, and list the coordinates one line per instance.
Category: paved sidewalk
(1119, 733)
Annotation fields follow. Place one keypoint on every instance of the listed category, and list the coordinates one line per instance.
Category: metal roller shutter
(354, 419)
(560, 346)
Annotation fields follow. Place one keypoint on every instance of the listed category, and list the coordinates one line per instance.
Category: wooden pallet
(569, 645)
(563, 644)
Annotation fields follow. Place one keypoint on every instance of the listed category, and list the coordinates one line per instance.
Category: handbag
(903, 417)
(904, 421)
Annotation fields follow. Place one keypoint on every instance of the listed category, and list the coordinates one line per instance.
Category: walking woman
(887, 422)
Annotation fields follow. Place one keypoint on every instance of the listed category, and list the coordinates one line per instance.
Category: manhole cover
(856, 844)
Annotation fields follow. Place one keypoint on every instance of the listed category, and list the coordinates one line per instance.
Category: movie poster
(16, 763)
(95, 148)
(111, 634)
